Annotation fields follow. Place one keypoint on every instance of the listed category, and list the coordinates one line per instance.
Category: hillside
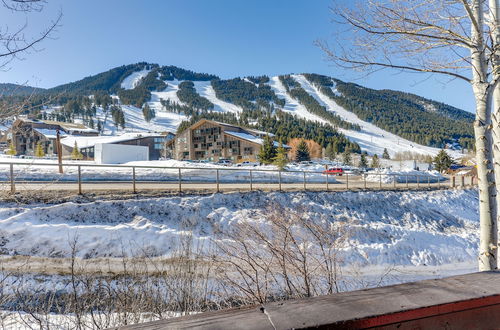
(150, 97)
(18, 90)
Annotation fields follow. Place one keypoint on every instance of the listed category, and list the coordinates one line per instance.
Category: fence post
(347, 181)
(394, 179)
(327, 182)
(133, 180)
(462, 181)
(452, 182)
(217, 172)
(79, 180)
(251, 181)
(12, 184)
(279, 179)
(380, 181)
(304, 173)
(180, 180)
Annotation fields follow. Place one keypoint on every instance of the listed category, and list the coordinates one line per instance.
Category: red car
(334, 171)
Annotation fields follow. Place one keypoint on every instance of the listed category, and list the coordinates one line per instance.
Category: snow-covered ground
(385, 228)
(410, 176)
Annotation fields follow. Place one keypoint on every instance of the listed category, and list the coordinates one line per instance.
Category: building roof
(49, 133)
(251, 138)
(68, 127)
(91, 141)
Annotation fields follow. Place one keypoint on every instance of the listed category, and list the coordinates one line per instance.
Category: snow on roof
(259, 132)
(90, 141)
(251, 138)
(49, 133)
(86, 129)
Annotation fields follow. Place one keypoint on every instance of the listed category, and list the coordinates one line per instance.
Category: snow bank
(394, 228)
(412, 176)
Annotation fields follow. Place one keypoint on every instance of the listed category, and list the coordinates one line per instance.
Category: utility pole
(59, 151)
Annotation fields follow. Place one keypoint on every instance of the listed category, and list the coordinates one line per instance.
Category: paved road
(342, 185)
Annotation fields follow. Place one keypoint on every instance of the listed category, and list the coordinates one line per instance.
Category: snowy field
(386, 228)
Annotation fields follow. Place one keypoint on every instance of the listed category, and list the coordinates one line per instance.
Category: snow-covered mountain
(372, 119)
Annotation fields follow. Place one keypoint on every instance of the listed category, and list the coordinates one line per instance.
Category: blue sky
(225, 37)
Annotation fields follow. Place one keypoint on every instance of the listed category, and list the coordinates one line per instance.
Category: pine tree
(281, 158)
(12, 150)
(122, 120)
(330, 151)
(363, 163)
(302, 152)
(267, 151)
(76, 154)
(148, 113)
(385, 155)
(375, 161)
(442, 161)
(39, 150)
(346, 157)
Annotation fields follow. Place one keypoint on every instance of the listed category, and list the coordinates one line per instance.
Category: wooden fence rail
(216, 179)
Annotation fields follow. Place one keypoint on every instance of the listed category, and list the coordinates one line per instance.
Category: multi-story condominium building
(26, 133)
(211, 140)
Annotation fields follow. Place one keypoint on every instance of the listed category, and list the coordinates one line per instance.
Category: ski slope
(135, 122)
(134, 79)
(205, 89)
(291, 105)
(370, 138)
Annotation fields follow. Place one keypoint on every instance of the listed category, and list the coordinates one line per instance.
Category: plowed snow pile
(387, 228)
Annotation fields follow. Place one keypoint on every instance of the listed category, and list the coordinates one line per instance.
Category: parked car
(224, 162)
(247, 163)
(334, 171)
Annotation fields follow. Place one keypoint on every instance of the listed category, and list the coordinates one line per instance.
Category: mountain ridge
(348, 108)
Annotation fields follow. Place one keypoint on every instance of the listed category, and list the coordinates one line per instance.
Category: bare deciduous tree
(15, 42)
(450, 38)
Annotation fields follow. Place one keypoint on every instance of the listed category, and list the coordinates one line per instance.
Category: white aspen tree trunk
(494, 11)
(484, 142)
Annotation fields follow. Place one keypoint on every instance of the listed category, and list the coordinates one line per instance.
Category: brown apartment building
(211, 140)
(26, 133)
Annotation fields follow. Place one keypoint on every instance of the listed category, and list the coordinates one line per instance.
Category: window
(158, 146)
(158, 140)
(195, 145)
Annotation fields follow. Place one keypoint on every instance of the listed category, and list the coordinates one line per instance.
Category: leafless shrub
(288, 256)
